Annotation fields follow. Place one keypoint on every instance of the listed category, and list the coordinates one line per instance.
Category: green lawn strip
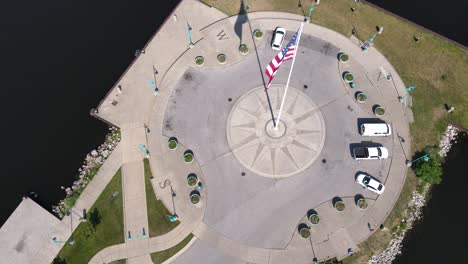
(161, 256)
(158, 221)
(110, 230)
(437, 67)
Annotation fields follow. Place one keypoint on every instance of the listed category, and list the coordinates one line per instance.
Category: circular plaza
(262, 182)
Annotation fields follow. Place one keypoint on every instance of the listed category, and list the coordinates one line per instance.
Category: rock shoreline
(415, 207)
(86, 173)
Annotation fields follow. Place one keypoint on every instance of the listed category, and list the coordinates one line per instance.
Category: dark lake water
(59, 59)
(448, 17)
(440, 237)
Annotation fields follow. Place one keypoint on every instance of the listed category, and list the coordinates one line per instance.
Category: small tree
(95, 218)
(429, 171)
(59, 260)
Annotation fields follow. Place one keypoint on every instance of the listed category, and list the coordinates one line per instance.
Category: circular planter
(188, 157)
(199, 60)
(221, 58)
(172, 144)
(258, 34)
(314, 219)
(348, 77)
(361, 203)
(192, 180)
(361, 97)
(379, 111)
(339, 206)
(195, 198)
(243, 49)
(304, 232)
(344, 57)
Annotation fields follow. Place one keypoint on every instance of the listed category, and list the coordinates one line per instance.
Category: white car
(278, 38)
(370, 153)
(370, 183)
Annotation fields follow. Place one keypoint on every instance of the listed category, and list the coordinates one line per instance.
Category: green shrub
(172, 144)
(188, 157)
(199, 60)
(243, 48)
(340, 206)
(305, 232)
(429, 171)
(344, 57)
(258, 33)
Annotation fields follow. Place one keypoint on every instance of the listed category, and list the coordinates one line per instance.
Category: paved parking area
(256, 210)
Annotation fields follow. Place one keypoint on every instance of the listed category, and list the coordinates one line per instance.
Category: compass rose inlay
(275, 152)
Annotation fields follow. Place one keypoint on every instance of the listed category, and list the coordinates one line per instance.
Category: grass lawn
(158, 221)
(110, 230)
(438, 68)
(160, 257)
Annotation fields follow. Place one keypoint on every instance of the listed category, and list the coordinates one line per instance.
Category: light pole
(408, 90)
(189, 34)
(143, 149)
(424, 157)
(366, 45)
(311, 8)
(56, 240)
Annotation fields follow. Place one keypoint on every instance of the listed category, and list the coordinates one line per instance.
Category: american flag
(287, 53)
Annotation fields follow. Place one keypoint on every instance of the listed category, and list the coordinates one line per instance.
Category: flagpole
(289, 77)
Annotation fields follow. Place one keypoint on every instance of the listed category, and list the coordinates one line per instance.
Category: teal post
(311, 8)
(424, 157)
(408, 91)
(189, 34)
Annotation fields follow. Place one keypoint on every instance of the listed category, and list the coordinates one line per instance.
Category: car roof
(374, 183)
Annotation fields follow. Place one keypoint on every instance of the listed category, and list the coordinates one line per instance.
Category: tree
(59, 260)
(429, 171)
(95, 218)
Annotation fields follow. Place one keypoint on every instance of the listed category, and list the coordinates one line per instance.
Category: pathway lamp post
(172, 218)
(189, 34)
(56, 240)
(246, 6)
(408, 90)
(367, 44)
(424, 157)
(143, 149)
(311, 8)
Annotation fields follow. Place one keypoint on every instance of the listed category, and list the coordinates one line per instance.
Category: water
(440, 237)
(59, 59)
(447, 17)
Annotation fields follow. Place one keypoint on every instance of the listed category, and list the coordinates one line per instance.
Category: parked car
(278, 37)
(369, 153)
(376, 130)
(370, 183)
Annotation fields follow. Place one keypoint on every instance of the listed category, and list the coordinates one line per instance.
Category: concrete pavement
(252, 218)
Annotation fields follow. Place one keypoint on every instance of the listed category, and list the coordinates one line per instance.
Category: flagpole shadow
(259, 64)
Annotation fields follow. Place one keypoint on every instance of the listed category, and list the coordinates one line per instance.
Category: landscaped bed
(158, 222)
